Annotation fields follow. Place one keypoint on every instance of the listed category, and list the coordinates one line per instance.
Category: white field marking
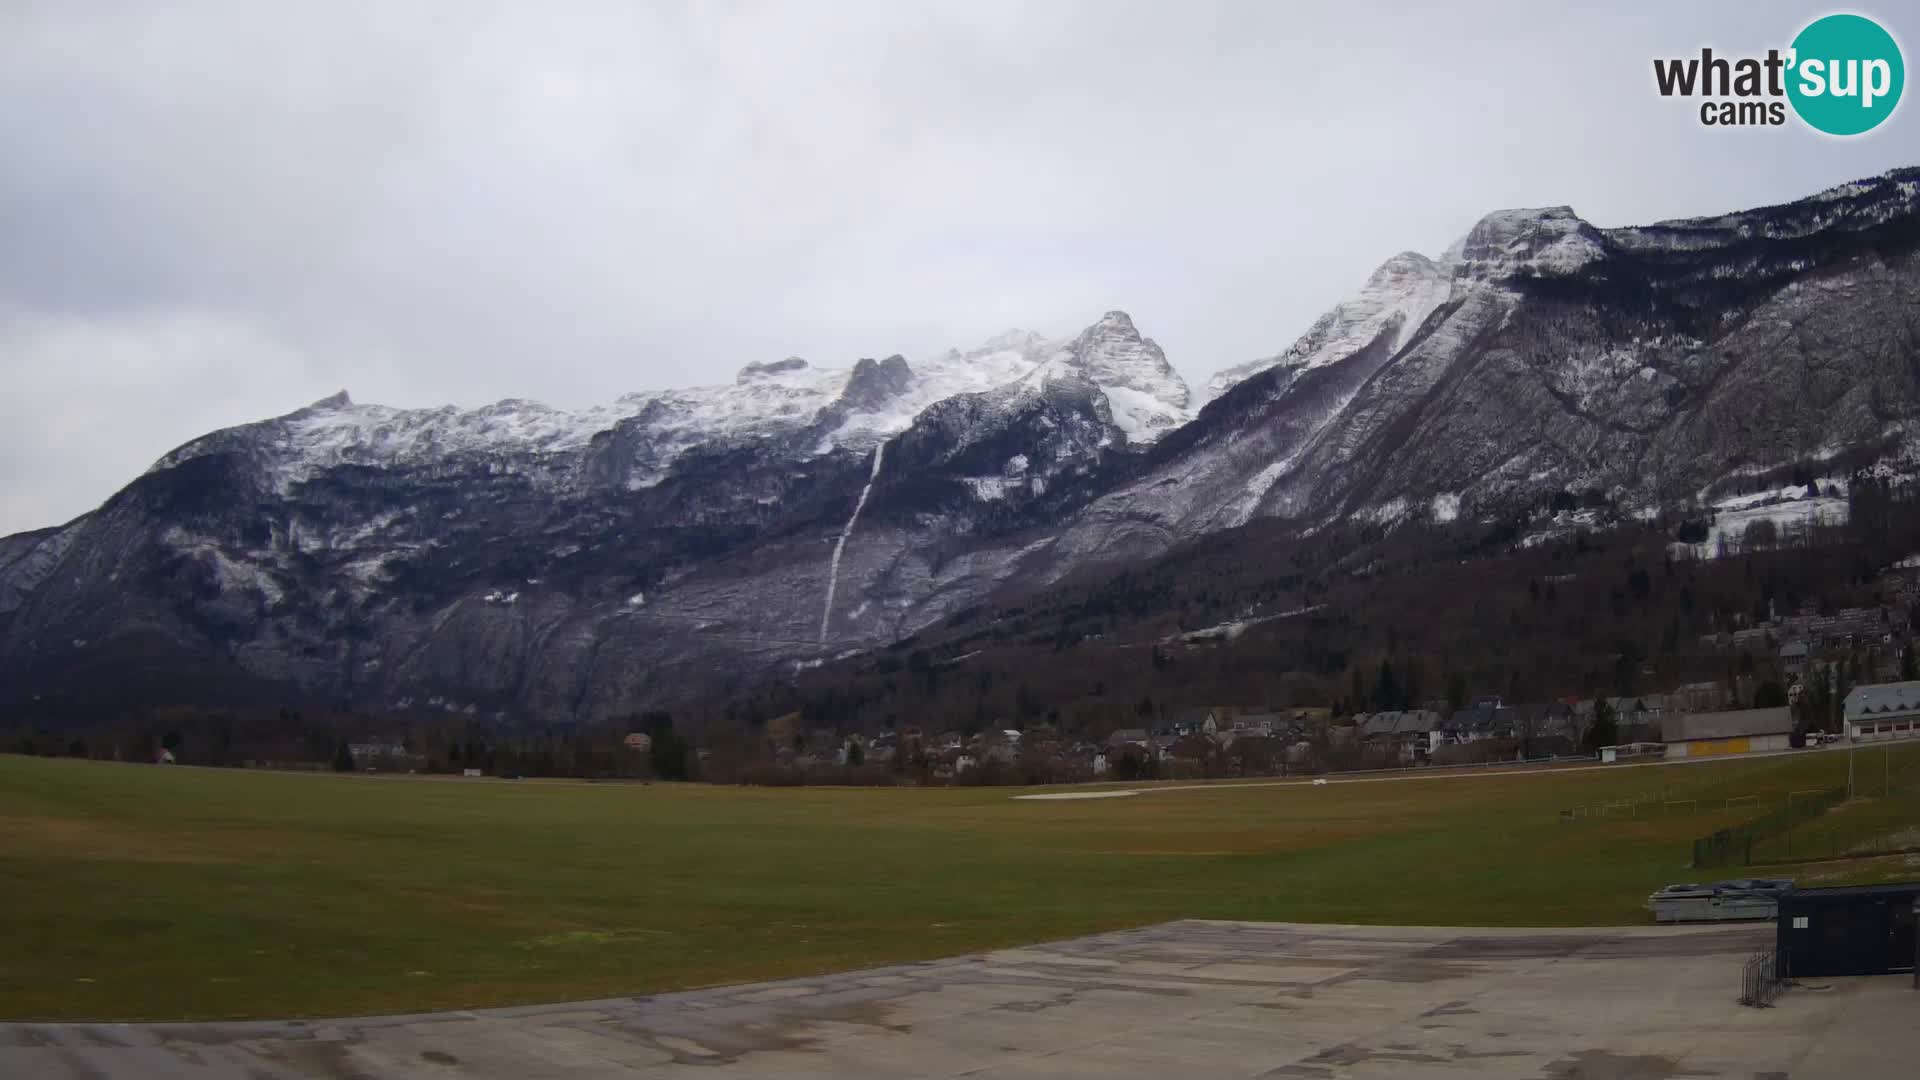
(1062, 796)
(1393, 776)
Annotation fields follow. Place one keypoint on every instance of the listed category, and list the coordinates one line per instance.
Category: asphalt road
(1197, 999)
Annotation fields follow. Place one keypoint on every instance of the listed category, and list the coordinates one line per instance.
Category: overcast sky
(212, 213)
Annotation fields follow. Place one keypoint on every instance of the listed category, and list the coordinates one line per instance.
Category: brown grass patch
(88, 840)
(78, 838)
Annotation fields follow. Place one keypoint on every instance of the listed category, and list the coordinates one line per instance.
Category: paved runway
(1193, 999)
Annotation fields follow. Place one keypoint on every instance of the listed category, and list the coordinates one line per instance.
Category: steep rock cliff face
(516, 562)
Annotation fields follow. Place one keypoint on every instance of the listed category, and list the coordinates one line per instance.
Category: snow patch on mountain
(1242, 509)
(1395, 301)
(840, 545)
(1003, 360)
(1728, 531)
(990, 488)
(1384, 513)
(231, 575)
(26, 560)
(337, 431)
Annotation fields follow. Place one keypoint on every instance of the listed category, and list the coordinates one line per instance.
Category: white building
(1885, 711)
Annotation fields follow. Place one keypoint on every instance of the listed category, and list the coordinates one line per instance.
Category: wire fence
(1763, 978)
(1877, 812)
(1658, 803)
(1881, 824)
(1733, 846)
(1855, 820)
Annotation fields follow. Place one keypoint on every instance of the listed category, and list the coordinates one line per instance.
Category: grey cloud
(214, 212)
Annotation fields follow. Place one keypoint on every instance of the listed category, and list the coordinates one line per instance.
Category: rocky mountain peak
(874, 382)
(762, 369)
(1147, 396)
(1538, 242)
(1402, 265)
(331, 403)
(1397, 298)
(1015, 339)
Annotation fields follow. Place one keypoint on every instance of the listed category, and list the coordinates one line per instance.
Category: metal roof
(1417, 720)
(1848, 892)
(1383, 722)
(1899, 697)
(1726, 725)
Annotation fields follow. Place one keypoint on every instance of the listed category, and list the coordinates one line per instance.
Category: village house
(1419, 732)
(1375, 729)
(852, 747)
(1468, 725)
(1195, 749)
(1087, 757)
(949, 762)
(1220, 719)
(1199, 720)
(1411, 734)
(1793, 659)
(1545, 730)
(1844, 629)
(1901, 581)
(1257, 723)
(380, 755)
(1699, 697)
(1001, 745)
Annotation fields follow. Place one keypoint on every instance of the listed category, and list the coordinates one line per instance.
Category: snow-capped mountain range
(516, 561)
(848, 408)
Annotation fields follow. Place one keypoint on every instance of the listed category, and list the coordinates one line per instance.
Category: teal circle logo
(1847, 74)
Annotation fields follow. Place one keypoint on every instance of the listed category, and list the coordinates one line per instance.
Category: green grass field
(136, 892)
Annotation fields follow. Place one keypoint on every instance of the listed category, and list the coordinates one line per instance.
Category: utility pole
(1853, 748)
